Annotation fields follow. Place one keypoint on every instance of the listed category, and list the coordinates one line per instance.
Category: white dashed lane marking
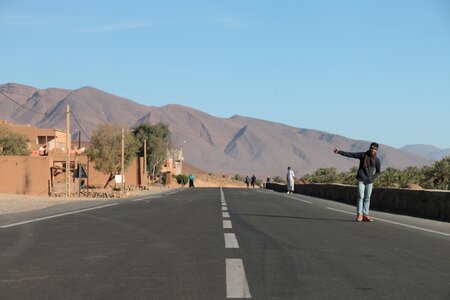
(227, 224)
(237, 286)
(231, 240)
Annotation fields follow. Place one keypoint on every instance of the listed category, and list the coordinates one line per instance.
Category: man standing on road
(253, 180)
(369, 169)
(247, 181)
(290, 181)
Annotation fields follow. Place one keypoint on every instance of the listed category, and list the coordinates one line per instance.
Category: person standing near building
(369, 169)
(290, 180)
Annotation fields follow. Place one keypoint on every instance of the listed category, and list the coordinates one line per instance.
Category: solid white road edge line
(396, 223)
(230, 240)
(56, 216)
(171, 193)
(306, 201)
(237, 285)
(140, 199)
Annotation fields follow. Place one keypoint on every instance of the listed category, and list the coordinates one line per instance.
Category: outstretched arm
(348, 154)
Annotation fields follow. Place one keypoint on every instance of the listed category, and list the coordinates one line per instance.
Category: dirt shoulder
(12, 204)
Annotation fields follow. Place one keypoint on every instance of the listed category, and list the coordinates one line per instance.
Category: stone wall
(420, 203)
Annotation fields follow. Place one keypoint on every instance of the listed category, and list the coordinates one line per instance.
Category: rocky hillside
(235, 145)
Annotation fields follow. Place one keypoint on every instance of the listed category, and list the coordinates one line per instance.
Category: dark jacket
(368, 173)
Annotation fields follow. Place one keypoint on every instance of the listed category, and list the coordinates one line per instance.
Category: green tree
(106, 149)
(325, 175)
(158, 142)
(238, 177)
(307, 178)
(12, 144)
(408, 176)
(347, 177)
(440, 173)
(278, 179)
(388, 178)
(182, 179)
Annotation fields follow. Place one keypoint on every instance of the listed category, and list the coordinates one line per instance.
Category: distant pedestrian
(191, 180)
(369, 169)
(268, 179)
(247, 180)
(253, 180)
(290, 180)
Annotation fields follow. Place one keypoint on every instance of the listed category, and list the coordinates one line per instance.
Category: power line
(41, 113)
(80, 126)
(21, 105)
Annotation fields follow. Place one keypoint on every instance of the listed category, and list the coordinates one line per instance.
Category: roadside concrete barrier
(430, 204)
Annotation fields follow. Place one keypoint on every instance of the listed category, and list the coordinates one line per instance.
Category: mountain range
(427, 151)
(235, 145)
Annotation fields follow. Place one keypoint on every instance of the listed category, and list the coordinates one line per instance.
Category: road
(222, 244)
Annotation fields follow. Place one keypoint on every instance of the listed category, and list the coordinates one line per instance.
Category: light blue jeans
(363, 202)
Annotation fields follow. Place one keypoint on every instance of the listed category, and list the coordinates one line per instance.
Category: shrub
(182, 179)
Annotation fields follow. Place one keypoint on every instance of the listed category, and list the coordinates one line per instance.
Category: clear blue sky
(371, 70)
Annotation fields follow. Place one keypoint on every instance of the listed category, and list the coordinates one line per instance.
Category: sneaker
(367, 219)
(359, 217)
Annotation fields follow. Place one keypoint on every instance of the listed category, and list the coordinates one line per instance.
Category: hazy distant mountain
(238, 144)
(427, 151)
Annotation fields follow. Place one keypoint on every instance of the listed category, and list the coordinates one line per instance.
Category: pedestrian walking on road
(290, 180)
(253, 180)
(369, 169)
(191, 180)
(247, 180)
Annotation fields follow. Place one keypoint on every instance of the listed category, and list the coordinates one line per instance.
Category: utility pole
(68, 151)
(123, 159)
(145, 163)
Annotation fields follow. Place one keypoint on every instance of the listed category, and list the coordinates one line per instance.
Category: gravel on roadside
(12, 203)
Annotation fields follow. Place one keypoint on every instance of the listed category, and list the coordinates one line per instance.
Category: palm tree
(388, 178)
(408, 176)
(325, 175)
(441, 173)
(348, 177)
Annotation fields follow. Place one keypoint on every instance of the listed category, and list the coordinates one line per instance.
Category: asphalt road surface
(221, 244)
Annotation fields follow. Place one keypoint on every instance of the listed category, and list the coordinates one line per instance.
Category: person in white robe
(290, 181)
